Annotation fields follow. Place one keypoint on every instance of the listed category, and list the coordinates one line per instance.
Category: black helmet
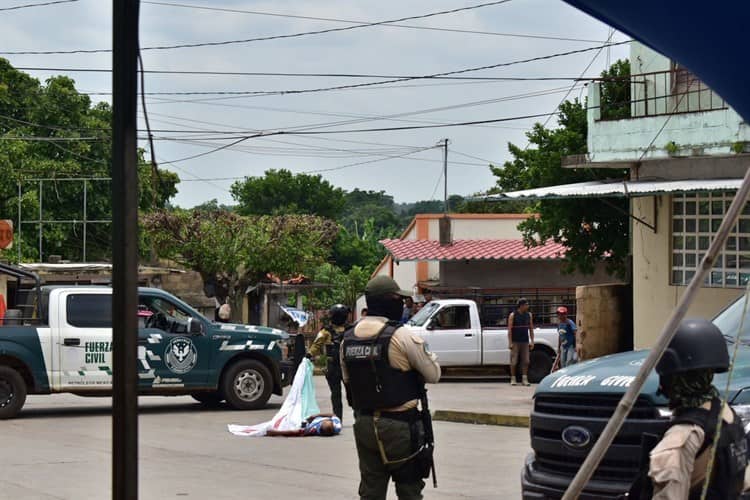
(698, 344)
(338, 314)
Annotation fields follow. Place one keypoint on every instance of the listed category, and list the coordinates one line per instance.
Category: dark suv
(573, 405)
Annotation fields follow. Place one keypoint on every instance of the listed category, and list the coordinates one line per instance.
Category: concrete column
(594, 112)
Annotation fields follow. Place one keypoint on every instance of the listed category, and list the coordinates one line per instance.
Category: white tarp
(620, 189)
(299, 404)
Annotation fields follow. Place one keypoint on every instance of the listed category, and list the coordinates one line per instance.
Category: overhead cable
(29, 5)
(390, 25)
(266, 38)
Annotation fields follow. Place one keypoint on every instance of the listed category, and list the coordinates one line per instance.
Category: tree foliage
(615, 91)
(231, 251)
(39, 113)
(593, 230)
(280, 192)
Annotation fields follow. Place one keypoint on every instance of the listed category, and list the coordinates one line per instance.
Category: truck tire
(208, 398)
(247, 385)
(12, 392)
(540, 365)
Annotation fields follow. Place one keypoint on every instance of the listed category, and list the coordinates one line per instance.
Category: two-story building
(686, 152)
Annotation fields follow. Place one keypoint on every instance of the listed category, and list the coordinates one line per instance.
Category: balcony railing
(665, 93)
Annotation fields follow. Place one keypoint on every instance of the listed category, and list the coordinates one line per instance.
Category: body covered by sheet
(299, 404)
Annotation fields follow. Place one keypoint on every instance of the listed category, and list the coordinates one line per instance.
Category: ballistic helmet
(697, 344)
(338, 314)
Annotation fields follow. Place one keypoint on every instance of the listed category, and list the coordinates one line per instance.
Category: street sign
(6, 234)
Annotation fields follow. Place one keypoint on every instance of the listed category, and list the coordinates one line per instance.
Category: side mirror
(430, 326)
(194, 327)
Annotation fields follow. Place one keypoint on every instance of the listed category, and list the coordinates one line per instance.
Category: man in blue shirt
(567, 343)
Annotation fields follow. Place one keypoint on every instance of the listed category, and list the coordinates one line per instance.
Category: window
(88, 310)
(453, 318)
(695, 220)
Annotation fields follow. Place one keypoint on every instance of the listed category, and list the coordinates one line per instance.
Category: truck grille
(554, 413)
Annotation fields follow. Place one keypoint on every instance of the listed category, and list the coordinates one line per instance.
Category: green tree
(280, 192)
(51, 131)
(345, 287)
(615, 91)
(362, 206)
(593, 230)
(231, 251)
(359, 247)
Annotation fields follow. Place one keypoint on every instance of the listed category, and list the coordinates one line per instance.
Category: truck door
(84, 340)
(168, 354)
(451, 336)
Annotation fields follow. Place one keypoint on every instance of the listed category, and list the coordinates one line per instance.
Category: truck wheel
(208, 398)
(540, 365)
(12, 392)
(247, 385)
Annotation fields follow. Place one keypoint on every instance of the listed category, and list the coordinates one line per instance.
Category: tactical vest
(373, 383)
(728, 473)
(333, 350)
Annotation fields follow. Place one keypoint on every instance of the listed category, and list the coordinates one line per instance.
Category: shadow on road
(149, 409)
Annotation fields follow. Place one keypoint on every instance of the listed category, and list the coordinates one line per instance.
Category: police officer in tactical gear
(328, 340)
(679, 461)
(384, 368)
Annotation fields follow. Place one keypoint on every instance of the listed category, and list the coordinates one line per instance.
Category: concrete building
(686, 152)
(483, 257)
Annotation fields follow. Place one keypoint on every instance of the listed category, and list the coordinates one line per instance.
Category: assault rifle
(427, 455)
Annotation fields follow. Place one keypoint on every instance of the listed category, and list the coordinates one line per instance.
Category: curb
(466, 417)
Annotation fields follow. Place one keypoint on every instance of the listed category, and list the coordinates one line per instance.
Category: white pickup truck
(453, 330)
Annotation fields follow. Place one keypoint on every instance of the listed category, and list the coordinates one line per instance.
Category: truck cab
(67, 347)
(572, 407)
(453, 330)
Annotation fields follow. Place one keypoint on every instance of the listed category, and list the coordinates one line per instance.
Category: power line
(348, 131)
(218, 92)
(303, 75)
(591, 63)
(266, 38)
(434, 75)
(390, 25)
(28, 5)
(394, 117)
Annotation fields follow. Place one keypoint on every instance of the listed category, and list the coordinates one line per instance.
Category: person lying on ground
(317, 425)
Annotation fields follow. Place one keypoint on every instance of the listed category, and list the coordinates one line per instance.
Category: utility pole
(124, 250)
(445, 176)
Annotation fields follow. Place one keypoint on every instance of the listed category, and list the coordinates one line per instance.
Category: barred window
(695, 220)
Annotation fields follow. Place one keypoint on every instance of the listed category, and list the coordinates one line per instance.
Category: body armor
(373, 383)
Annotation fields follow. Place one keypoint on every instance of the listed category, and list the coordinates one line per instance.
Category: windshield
(424, 314)
(730, 318)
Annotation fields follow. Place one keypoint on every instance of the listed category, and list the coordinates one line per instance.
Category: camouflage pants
(396, 436)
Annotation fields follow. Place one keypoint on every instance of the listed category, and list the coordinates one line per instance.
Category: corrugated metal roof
(416, 250)
(615, 188)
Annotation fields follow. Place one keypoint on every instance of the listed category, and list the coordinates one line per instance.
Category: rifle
(429, 437)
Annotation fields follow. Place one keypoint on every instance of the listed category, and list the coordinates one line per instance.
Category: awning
(618, 189)
(461, 250)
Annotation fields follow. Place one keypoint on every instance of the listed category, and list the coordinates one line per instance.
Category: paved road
(60, 449)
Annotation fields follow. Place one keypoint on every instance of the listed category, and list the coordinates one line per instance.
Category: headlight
(744, 412)
(665, 412)
(283, 344)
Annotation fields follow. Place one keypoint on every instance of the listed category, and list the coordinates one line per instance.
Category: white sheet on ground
(299, 404)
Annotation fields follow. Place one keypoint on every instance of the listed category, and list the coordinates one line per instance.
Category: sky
(405, 163)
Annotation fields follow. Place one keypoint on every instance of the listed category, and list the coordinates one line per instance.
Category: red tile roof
(413, 250)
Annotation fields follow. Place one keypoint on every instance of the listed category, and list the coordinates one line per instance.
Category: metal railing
(668, 92)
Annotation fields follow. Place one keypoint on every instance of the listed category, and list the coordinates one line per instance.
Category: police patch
(180, 355)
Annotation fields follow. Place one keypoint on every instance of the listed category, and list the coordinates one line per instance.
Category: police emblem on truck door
(180, 355)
